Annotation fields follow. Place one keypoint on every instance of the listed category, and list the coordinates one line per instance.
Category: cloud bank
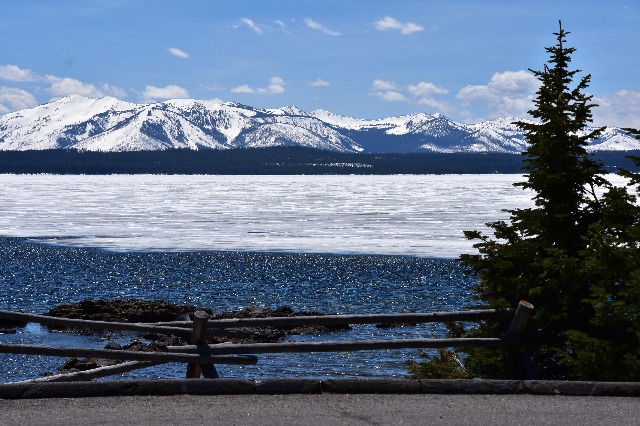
(15, 73)
(13, 99)
(508, 93)
(275, 87)
(620, 109)
(319, 83)
(422, 93)
(389, 23)
(61, 87)
(171, 91)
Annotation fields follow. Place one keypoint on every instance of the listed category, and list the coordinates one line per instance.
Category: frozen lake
(221, 242)
(418, 215)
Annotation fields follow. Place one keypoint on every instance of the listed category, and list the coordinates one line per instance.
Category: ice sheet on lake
(421, 215)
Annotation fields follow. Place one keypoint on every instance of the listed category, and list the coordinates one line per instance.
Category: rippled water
(225, 242)
(35, 277)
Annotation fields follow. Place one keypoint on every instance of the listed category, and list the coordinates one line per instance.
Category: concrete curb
(312, 386)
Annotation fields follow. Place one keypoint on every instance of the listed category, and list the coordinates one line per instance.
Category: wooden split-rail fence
(201, 357)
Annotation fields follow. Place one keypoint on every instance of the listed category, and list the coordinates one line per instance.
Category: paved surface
(324, 409)
(319, 402)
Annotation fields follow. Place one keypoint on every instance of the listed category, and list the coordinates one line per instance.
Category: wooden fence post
(514, 332)
(519, 321)
(199, 337)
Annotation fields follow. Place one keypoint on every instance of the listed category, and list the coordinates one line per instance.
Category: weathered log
(126, 355)
(334, 346)
(94, 373)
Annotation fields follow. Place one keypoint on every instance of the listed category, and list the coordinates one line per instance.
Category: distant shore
(270, 161)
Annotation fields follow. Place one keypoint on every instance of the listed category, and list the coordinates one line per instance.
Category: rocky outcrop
(124, 310)
(136, 310)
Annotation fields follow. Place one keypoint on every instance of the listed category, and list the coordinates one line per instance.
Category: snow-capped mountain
(109, 124)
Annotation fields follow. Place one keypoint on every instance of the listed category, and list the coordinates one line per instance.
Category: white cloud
(433, 104)
(509, 93)
(317, 26)
(114, 91)
(319, 83)
(417, 94)
(70, 86)
(385, 85)
(426, 89)
(392, 96)
(15, 73)
(13, 99)
(389, 23)
(248, 22)
(242, 89)
(277, 80)
(177, 52)
(276, 87)
(171, 91)
(282, 25)
(620, 109)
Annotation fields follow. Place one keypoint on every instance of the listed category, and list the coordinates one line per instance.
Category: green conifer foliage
(574, 256)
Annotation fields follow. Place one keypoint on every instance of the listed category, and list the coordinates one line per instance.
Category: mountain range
(112, 125)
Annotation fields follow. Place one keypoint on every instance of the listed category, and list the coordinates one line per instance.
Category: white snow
(421, 215)
(108, 124)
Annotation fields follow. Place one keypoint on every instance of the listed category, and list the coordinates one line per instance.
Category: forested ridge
(274, 160)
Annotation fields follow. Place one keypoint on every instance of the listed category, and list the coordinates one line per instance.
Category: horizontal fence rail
(335, 320)
(105, 325)
(200, 357)
(125, 355)
(334, 346)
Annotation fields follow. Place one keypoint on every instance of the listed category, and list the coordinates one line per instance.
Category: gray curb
(312, 386)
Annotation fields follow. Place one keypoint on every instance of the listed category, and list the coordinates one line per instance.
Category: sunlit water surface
(343, 244)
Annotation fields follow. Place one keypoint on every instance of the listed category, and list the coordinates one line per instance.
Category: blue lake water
(335, 244)
(36, 276)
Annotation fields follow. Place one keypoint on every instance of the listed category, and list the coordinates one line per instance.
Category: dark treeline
(275, 160)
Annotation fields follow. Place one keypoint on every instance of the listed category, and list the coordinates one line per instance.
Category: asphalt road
(324, 409)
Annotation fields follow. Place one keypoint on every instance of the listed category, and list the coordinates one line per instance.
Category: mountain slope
(112, 125)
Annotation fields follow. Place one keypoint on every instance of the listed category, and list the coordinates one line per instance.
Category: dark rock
(113, 346)
(183, 317)
(124, 310)
(74, 365)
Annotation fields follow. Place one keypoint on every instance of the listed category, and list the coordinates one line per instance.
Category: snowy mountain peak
(288, 110)
(109, 124)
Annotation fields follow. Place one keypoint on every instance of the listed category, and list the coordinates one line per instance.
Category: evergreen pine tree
(574, 256)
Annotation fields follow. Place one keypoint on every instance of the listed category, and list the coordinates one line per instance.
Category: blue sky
(367, 59)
